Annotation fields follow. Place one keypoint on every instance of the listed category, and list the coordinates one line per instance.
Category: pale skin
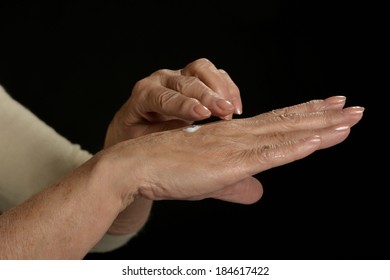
(148, 157)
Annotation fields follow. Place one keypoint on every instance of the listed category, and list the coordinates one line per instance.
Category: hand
(165, 100)
(219, 159)
(169, 99)
(216, 160)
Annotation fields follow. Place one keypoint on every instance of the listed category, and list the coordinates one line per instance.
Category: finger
(234, 92)
(329, 136)
(159, 103)
(304, 121)
(263, 157)
(216, 79)
(334, 136)
(330, 103)
(193, 87)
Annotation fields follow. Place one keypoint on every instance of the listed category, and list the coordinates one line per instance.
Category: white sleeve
(33, 156)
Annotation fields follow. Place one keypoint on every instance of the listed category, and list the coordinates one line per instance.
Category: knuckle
(263, 154)
(193, 86)
(182, 85)
(140, 85)
(200, 63)
(268, 153)
(166, 97)
(315, 104)
(277, 112)
(280, 137)
(161, 72)
(140, 89)
(289, 119)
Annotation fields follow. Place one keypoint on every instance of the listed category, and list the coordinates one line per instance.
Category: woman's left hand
(165, 100)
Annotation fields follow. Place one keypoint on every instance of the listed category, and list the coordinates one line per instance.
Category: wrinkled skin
(165, 100)
(220, 159)
(169, 99)
(148, 156)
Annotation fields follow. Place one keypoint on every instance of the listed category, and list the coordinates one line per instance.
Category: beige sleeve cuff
(111, 242)
(34, 156)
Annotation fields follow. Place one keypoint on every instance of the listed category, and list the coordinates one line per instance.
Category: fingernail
(227, 118)
(336, 99)
(238, 111)
(202, 110)
(342, 128)
(354, 110)
(224, 105)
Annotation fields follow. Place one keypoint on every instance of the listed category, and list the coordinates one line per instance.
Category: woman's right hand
(219, 159)
(169, 99)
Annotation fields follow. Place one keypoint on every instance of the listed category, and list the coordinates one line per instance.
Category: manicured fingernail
(238, 111)
(202, 110)
(336, 99)
(354, 110)
(342, 128)
(227, 118)
(224, 105)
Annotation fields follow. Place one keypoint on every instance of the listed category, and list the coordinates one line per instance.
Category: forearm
(33, 157)
(62, 222)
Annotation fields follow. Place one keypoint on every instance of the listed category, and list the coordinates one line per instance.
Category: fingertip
(236, 101)
(227, 117)
(237, 106)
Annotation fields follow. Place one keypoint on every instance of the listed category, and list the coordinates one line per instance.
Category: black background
(73, 63)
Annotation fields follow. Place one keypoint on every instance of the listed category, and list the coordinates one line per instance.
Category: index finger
(330, 103)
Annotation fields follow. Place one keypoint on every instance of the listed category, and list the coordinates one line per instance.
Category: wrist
(117, 174)
(111, 172)
(133, 218)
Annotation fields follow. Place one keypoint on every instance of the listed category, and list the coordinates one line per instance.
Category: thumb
(247, 191)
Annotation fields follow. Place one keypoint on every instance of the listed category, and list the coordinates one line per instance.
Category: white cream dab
(191, 128)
